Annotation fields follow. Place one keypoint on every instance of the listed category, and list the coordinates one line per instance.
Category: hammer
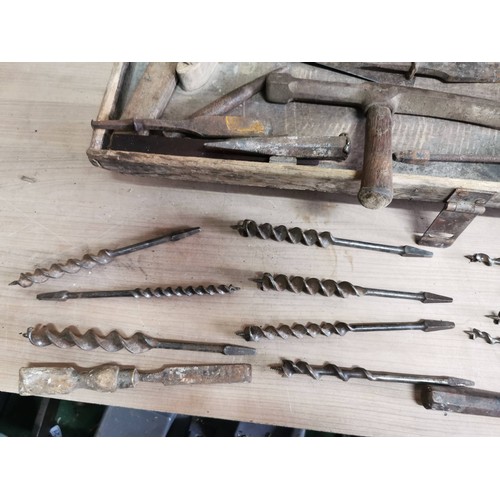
(379, 102)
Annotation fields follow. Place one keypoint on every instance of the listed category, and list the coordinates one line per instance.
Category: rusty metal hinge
(461, 209)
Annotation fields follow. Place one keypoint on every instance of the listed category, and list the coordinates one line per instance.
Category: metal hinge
(461, 209)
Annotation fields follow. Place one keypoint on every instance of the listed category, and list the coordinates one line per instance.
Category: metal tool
(328, 287)
(380, 102)
(45, 335)
(461, 400)
(475, 333)
(37, 380)
(494, 317)
(289, 368)
(234, 98)
(138, 293)
(423, 157)
(202, 126)
(322, 239)
(298, 330)
(485, 259)
(322, 148)
(194, 75)
(89, 261)
(448, 72)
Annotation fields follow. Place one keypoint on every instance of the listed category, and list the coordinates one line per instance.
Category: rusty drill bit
(475, 333)
(298, 330)
(137, 293)
(328, 287)
(45, 335)
(89, 261)
(37, 380)
(324, 239)
(485, 259)
(288, 368)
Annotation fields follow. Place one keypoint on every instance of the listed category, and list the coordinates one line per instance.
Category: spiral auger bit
(142, 293)
(89, 261)
(309, 237)
(114, 341)
(298, 330)
(343, 289)
(484, 258)
(288, 368)
(475, 333)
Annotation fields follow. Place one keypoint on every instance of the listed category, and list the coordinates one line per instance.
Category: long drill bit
(137, 293)
(289, 368)
(298, 330)
(475, 333)
(485, 259)
(328, 287)
(324, 239)
(37, 380)
(89, 261)
(45, 335)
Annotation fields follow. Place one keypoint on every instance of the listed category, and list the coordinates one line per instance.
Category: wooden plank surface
(55, 205)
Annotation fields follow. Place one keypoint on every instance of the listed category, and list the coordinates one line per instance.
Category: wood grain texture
(55, 205)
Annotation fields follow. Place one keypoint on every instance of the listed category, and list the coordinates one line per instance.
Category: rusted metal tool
(202, 126)
(321, 148)
(234, 98)
(289, 368)
(423, 157)
(298, 330)
(461, 400)
(38, 380)
(343, 289)
(379, 102)
(475, 333)
(141, 293)
(45, 335)
(324, 239)
(448, 72)
(89, 261)
(484, 258)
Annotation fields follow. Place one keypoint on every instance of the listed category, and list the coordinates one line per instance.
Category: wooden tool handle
(35, 381)
(376, 182)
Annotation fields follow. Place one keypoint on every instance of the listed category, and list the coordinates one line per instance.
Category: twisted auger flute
(144, 293)
(288, 368)
(343, 289)
(89, 261)
(475, 333)
(298, 330)
(484, 258)
(310, 237)
(45, 335)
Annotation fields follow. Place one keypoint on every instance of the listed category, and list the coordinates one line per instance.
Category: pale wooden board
(64, 207)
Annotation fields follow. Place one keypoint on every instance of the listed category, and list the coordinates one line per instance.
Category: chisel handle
(376, 182)
(34, 381)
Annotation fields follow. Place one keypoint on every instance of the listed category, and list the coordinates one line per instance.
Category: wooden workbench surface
(55, 205)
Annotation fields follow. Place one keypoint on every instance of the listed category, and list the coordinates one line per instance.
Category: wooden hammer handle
(376, 182)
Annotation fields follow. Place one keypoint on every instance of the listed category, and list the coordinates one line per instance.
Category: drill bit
(485, 259)
(37, 380)
(328, 287)
(45, 335)
(298, 330)
(137, 293)
(494, 317)
(89, 261)
(475, 333)
(288, 368)
(322, 239)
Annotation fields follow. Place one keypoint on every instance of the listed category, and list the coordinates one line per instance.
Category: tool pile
(253, 135)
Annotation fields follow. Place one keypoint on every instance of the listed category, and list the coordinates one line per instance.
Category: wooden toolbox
(156, 155)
